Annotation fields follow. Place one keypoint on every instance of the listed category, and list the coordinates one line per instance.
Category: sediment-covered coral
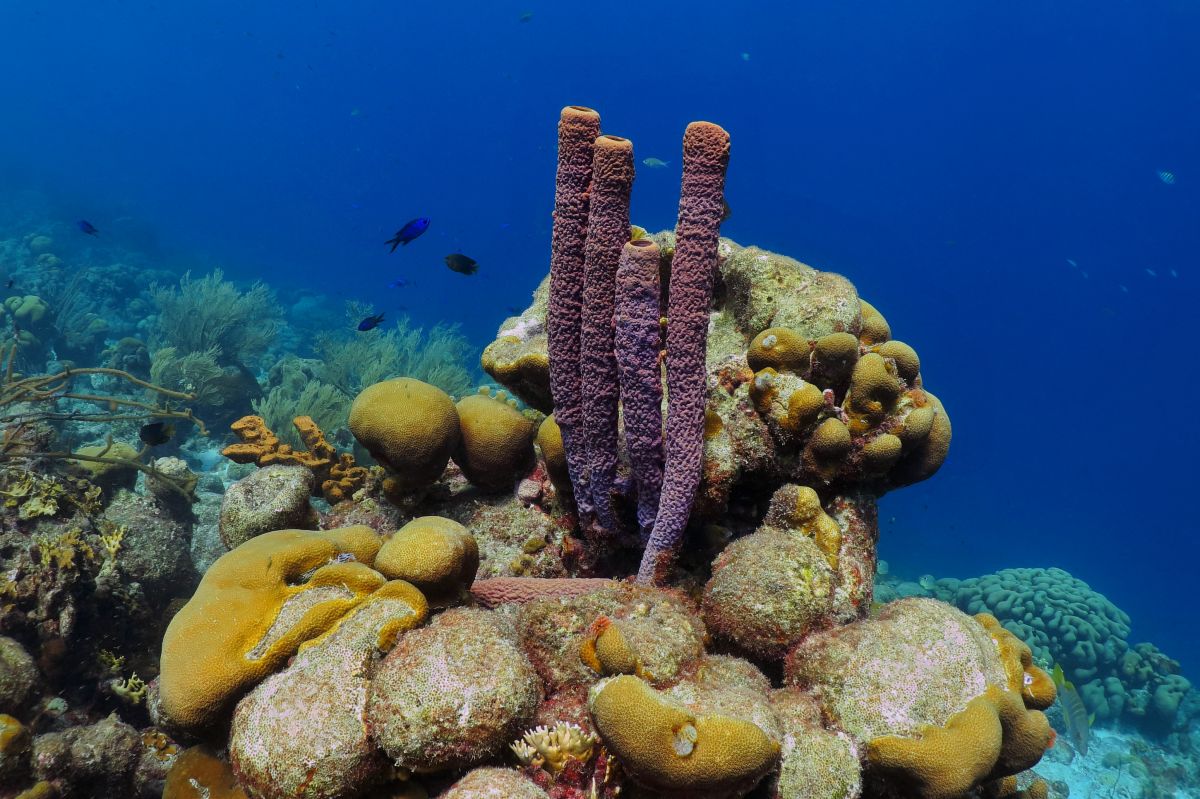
(272, 498)
(452, 694)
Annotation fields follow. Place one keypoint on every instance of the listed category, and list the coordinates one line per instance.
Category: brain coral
(437, 555)
(410, 427)
(669, 748)
(1059, 616)
(253, 609)
(453, 693)
(1066, 622)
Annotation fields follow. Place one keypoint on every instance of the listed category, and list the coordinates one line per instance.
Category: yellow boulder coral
(908, 364)
(409, 426)
(550, 443)
(874, 390)
(667, 748)
(28, 309)
(943, 762)
(437, 555)
(799, 508)
(827, 448)
(881, 453)
(789, 404)
(779, 348)
(253, 609)
(928, 452)
(833, 360)
(523, 366)
(606, 651)
(875, 329)
(495, 448)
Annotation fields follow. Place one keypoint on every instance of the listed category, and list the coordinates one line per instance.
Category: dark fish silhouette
(462, 264)
(9, 284)
(409, 232)
(370, 323)
(156, 433)
(88, 228)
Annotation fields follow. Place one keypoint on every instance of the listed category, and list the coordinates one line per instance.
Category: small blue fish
(88, 228)
(409, 232)
(398, 283)
(370, 323)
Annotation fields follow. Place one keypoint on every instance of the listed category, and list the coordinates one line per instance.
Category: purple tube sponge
(638, 344)
(705, 158)
(577, 131)
(607, 232)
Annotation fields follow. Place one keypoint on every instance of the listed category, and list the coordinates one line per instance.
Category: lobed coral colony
(644, 568)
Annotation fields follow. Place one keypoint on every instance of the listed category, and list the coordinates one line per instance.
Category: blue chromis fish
(410, 231)
(398, 283)
(463, 264)
(370, 323)
(88, 228)
(654, 163)
(1075, 715)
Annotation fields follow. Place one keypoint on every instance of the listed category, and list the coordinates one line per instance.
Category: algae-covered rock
(18, 677)
(155, 546)
(766, 289)
(494, 783)
(452, 694)
(304, 731)
(272, 498)
(767, 591)
(96, 760)
(660, 631)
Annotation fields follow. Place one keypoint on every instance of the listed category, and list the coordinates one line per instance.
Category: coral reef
(648, 593)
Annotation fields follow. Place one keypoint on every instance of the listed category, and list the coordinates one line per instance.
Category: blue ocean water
(991, 176)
